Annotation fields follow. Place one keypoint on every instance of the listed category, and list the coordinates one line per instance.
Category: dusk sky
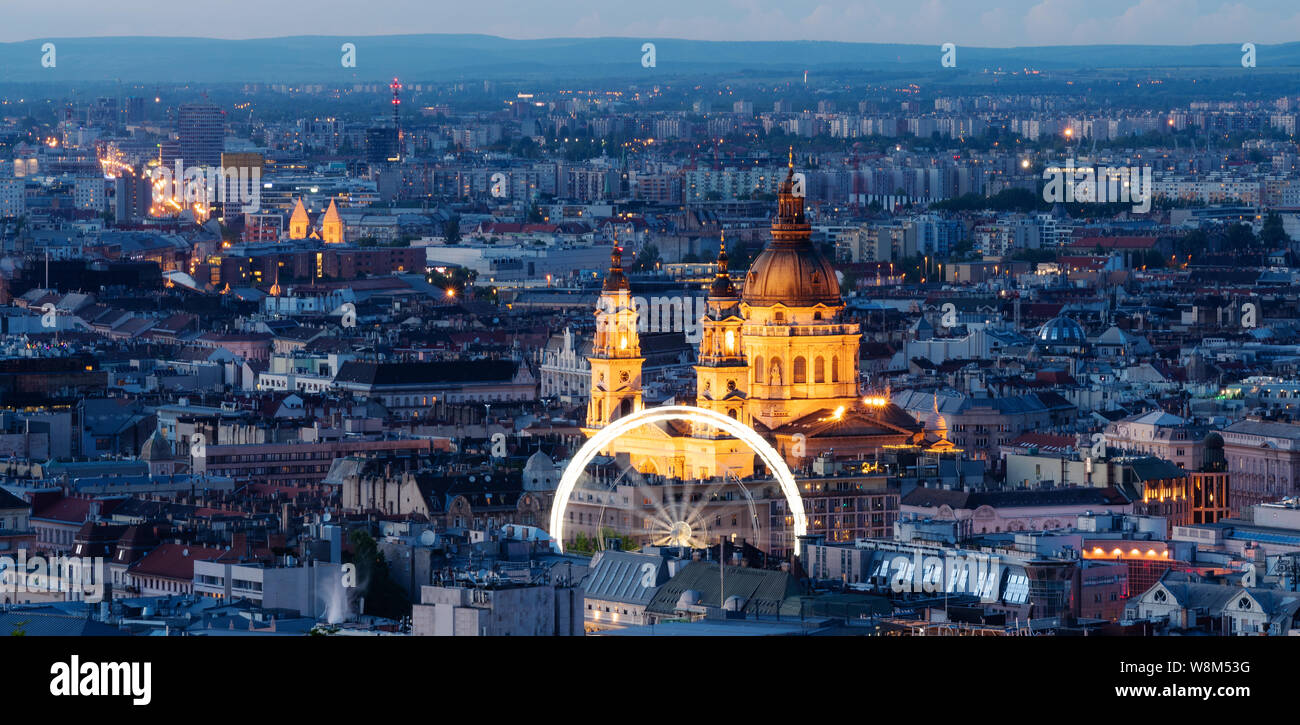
(993, 24)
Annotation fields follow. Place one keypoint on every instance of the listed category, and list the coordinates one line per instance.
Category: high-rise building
(134, 110)
(132, 196)
(202, 129)
(90, 193)
(381, 144)
(13, 198)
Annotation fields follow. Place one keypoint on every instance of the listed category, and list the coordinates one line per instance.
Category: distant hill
(316, 59)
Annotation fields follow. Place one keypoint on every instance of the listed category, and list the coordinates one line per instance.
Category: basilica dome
(791, 274)
(791, 271)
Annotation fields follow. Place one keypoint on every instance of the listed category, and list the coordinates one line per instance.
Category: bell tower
(722, 374)
(616, 354)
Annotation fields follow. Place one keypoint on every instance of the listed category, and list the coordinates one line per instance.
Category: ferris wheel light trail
(701, 416)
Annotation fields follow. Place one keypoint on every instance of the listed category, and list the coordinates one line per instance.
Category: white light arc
(646, 416)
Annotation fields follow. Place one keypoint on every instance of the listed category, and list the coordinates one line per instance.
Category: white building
(13, 198)
(90, 193)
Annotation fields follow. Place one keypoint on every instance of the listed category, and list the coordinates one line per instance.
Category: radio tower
(397, 122)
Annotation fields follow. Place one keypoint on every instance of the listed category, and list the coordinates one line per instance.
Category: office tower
(134, 110)
(201, 127)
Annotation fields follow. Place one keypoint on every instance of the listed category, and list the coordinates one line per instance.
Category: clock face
(623, 377)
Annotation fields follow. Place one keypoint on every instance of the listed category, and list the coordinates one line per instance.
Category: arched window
(800, 370)
(819, 370)
(760, 372)
(778, 316)
(835, 368)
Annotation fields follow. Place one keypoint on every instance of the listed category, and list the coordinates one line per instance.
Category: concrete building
(498, 610)
(13, 198)
(299, 589)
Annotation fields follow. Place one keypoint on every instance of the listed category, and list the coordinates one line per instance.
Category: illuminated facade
(332, 229)
(299, 223)
(778, 358)
(779, 365)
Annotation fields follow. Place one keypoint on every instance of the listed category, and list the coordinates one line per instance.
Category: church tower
(299, 223)
(331, 227)
(616, 353)
(722, 375)
(803, 357)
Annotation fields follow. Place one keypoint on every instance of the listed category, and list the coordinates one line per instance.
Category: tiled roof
(619, 576)
(41, 624)
(174, 561)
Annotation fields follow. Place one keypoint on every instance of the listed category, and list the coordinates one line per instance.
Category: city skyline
(1009, 24)
(464, 335)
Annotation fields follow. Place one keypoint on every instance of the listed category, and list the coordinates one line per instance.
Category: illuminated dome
(1062, 332)
(796, 276)
(791, 270)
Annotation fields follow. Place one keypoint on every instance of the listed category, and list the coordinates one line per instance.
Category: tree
(1195, 242)
(583, 544)
(383, 597)
(451, 230)
(738, 256)
(1272, 235)
(1240, 238)
(647, 258)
